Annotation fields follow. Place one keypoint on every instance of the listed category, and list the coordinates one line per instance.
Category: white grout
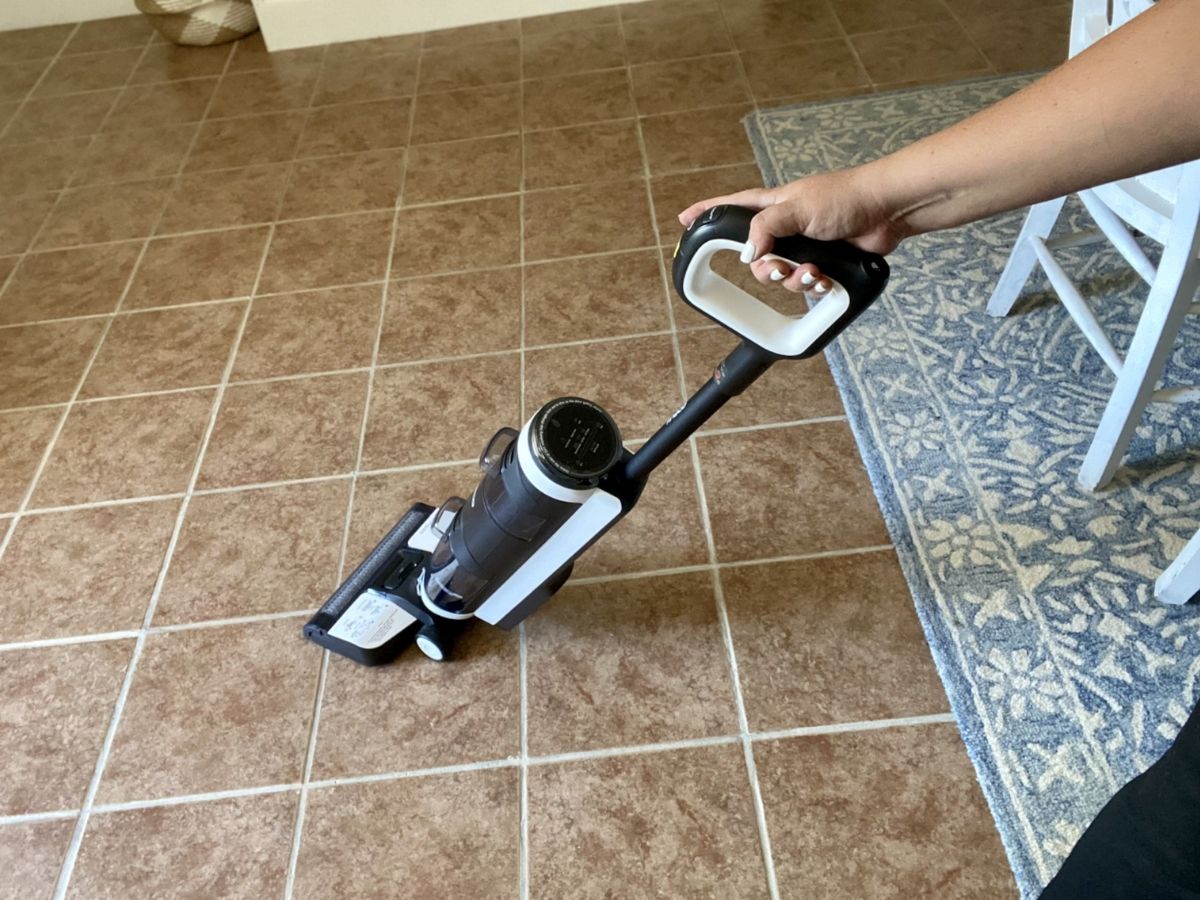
(846, 727)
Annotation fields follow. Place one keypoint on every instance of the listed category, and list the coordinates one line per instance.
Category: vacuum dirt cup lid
(574, 441)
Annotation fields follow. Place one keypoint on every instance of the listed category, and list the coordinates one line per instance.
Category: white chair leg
(1038, 223)
(1180, 581)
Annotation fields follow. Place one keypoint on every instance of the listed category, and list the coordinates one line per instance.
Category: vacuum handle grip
(858, 279)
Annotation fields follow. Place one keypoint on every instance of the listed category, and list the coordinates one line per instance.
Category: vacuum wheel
(434, 643)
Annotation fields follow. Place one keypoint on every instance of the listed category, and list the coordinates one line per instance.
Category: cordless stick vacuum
(552, 489)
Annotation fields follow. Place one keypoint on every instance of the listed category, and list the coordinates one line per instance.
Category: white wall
(30, 13)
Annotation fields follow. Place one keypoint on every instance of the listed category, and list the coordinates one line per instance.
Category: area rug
(1065, 676)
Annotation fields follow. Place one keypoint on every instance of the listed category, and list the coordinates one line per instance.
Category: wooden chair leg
(1180, 581)
(1038, 223)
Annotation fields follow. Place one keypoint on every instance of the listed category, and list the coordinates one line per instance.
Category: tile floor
(253, 304)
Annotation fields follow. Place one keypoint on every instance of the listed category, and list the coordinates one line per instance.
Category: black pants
(1145, 843)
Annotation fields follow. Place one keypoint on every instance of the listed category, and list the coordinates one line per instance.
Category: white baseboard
(32, 13)
(287, 24)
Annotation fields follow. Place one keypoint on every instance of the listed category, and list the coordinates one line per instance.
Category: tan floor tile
(634, 379)
(478, 234)
(42, 363)
(627, 662)
(83, 572)
(829, 640)
(248, 140)
(904, 799)
(172, 62)
(355, 127)
(319, 252)
(353, 79)
(577, 99)
(252, 552)
(373, 47)
(452, 68)
(778, 71)
(448, 315)
(688, 84)
(472, 34)
(234, 849)
(106, 212)
(32, 854)
(674, 145)
(286, 429)
(165, 349)
(414, 714)
(33, 43)
(53, 118)
(379, 500)
(136, 447)
(581, 154)
(56, 706)
(921, 52)
(135, 154)
(673, 194)
(459, 169)
(594, 297)
(46, 166)
(1035, 39)
(657, 39)
(571, 52)
(197, 267)
(317, 331)
(968, 8)
(475, 112)
(593, 218)
(17, 79)
(147, 106)
(251, 52)
(192, 723)
(20, 219)
(437, 412)
(667, 9)
(109, 34)
(65, 283)
(342, 184)
(681, 823)
(769, 23)
(238, 197)
(270, 90)
(350, 829)
(791, 391)
(90, 72)
(812, 489)
(569, 21)
(858, 16)
(23, 440)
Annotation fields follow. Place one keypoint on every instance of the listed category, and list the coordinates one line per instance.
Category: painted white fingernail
(821, 288)
(776, 275)
(807, 278)
(749, 252)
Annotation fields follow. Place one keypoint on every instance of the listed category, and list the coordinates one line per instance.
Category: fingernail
(776, 275)
(749, 252)
(821, 288)
(807, 278)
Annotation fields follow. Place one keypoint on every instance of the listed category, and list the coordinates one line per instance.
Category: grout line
(848, 41)
(184, 799)
(68, 641)
(636, 750)
(846, 727)
(231, 620)
(507, 763)
(309, 753)
(27, 818)
(523, 865)
(33, 87)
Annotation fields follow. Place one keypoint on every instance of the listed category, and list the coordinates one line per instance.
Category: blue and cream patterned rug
(1065, 676)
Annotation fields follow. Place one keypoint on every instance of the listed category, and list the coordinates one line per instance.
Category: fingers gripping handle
(858, 279)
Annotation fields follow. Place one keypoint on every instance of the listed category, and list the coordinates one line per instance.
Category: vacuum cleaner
(553, 488)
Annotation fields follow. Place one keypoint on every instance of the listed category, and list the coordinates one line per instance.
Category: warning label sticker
(371, 621)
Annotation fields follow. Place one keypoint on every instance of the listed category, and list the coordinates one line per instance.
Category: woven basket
(200, 23)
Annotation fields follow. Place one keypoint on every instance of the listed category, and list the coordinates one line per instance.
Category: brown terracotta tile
(229, 848)
(32, 855)
(252, 552)
(109, 34)
(688, 84)
(238, 197)
(172, 62)
(569, 21)
(379, 500)
(251, 52)
(426, 819)
(352, 79)
(1035, 39)
(56, 707)
(16, 80)
(921, 52)
(570, 52)
(136, 447)
(475, 112)
(228, 143)
(412, 714)
(448, 315)
(147, 106)
(279, 88)
(460, 169)
(789, 392)
(46, 166)
(905, 799)
(672, 194)
(90, 72)
(317, 331)
(657, 39)
(33, 43)
(476, 234)
(452, 68)
(84, 572)
(581, 154)
(66, 283)
(674, 145)
(342, 184)
(384, 46)
(23, 440)
(102, 213)
(577, 99)
(355, 127)
(756, 26)
(593, 218)
(467, 399)
(627, 662)
(163, 350)
(858, 16)
(197, 267)
(812, 488)
(42, 363)
(191, 726)
(472, 34)
(774, 72)
(319, 252)
(52, 118)
(667, 9)
(681, 822)
(20, 219)
(134, 154)
(594, 297)
(286, 429)
(969, 8)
